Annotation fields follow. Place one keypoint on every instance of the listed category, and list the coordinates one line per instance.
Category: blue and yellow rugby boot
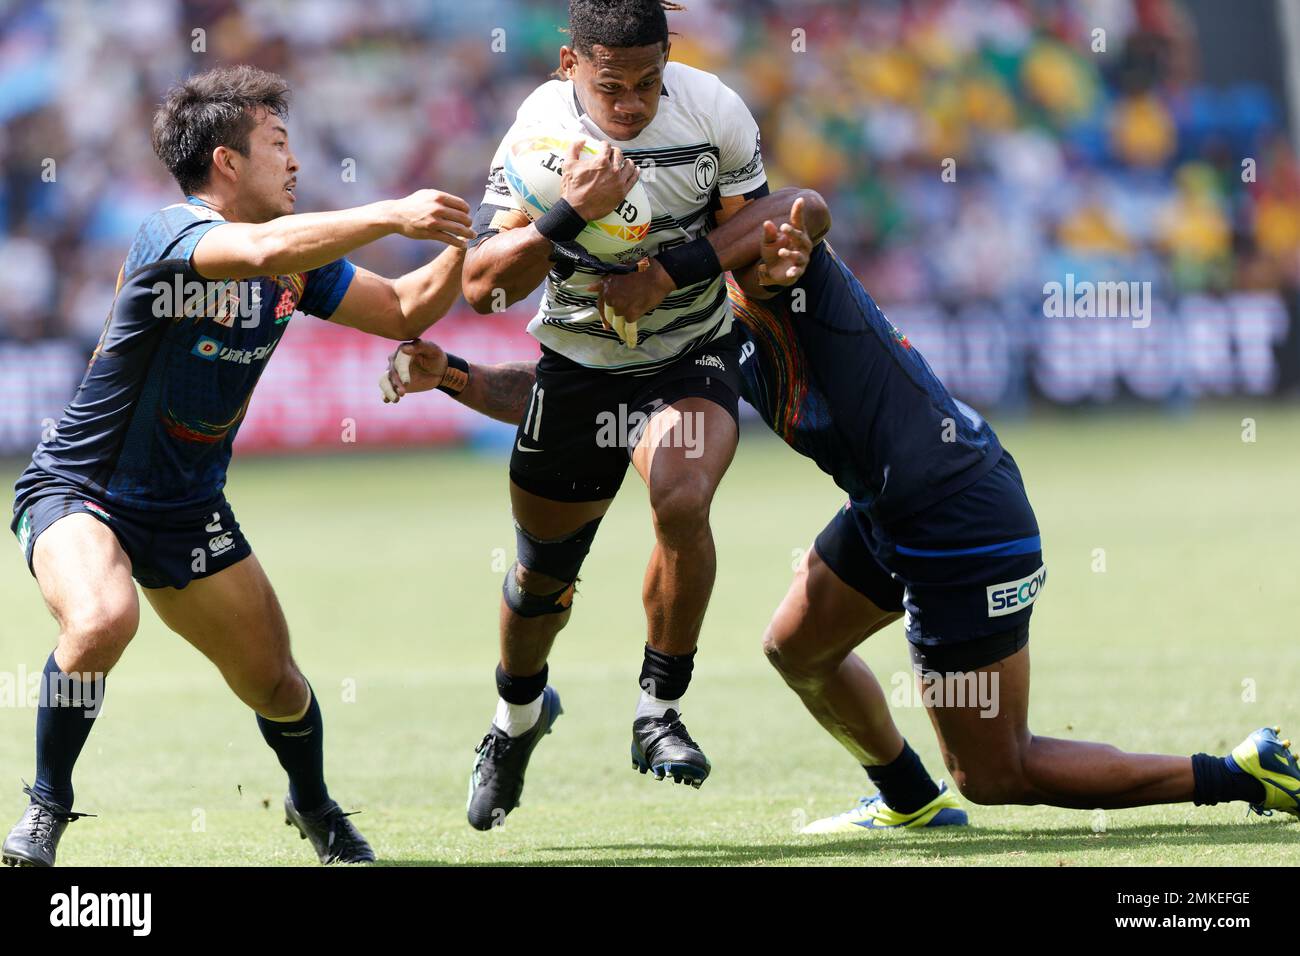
(1270, 761)
(872, 813)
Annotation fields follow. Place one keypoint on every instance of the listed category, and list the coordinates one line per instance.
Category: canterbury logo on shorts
(1012, 596)
(25, 531)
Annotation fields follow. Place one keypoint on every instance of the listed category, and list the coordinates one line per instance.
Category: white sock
(648, 706)
(517, 719)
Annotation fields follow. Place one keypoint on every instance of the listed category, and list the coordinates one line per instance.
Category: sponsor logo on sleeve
(285, 306)
(247, 356)
(207, 348)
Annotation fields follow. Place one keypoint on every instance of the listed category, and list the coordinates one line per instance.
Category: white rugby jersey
(702, 138)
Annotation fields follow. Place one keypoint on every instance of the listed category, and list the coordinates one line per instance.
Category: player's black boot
(497, 781)
(331, 833)
(34, 840)
(662, 745)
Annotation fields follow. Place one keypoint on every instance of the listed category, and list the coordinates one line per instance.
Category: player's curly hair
(211, 109)
(618, 23)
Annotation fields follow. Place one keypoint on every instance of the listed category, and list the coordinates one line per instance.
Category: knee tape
(561, 558)
(526, 604)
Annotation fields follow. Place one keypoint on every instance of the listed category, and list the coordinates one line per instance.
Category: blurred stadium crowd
(1067, 159)
(971, 151)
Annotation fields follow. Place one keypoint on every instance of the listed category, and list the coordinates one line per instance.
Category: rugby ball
(534, 172)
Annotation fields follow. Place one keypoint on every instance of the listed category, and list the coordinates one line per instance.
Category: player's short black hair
(211, 109)
(618, 23)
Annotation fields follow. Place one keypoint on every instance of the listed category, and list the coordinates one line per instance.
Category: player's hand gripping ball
(534, 171)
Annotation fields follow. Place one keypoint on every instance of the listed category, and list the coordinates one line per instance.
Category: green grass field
(389, 568)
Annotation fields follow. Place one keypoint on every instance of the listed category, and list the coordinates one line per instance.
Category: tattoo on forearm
(506, 390)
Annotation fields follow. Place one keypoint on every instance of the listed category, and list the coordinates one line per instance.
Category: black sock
(904, 784)
(65, 712)
(666, 676)
(1214, 782)
(521, 690)
(300, 747)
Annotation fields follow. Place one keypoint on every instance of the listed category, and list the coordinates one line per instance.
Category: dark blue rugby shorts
(965, 571)
(168, 549)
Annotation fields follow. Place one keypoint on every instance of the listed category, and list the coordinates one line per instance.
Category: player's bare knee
(993, 785)
(793, 672)
(793, 657)
(681, 510)
(279, 692)
(92, 639)
(292, 693)
(981, 789)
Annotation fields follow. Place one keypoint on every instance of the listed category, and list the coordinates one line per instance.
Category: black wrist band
(560, 223)
(691, 263)
(456, 377)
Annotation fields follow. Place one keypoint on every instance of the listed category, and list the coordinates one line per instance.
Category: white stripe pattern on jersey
(703, 143)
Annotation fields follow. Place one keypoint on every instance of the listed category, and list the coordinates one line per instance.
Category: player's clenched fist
(432, 214)
(415, 367)
(595, 185)
(785, 251)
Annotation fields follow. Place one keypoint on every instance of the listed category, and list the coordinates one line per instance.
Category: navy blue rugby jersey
(839, 383)
(152, 424)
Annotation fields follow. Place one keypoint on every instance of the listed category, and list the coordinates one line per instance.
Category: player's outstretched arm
(507, 267)
(300, 243)
(739, 245)
(405, 307)
(498, 391)
(769, 231)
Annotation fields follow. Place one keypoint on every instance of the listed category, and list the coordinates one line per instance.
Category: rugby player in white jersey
(673, 368)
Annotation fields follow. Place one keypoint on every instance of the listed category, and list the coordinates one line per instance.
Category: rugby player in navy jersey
(937, 527)
(130, 485)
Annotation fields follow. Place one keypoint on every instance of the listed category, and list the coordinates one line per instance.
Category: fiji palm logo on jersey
(706, 171)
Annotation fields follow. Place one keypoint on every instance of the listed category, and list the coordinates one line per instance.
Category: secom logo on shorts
(1012, 596)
